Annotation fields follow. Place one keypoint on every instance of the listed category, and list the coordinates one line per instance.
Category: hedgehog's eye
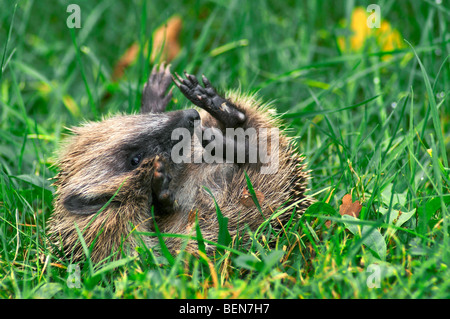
(135, 160)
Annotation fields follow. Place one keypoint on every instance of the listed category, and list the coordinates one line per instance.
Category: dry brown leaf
(247, 200)
(349, 207)
(125, 61)
(165, 42)
(166, 38)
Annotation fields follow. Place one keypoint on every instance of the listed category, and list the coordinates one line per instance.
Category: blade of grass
(83, 74)
(433, 108)
(224, 237)
(85, 250)
(200, 240)
(183, 236)
(165, 251)
(5, 62)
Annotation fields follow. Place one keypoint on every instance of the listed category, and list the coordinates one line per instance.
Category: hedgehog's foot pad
(208, 99)
(154, 98)
(162, 197)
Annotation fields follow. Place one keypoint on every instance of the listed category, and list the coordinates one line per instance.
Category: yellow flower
(386, 38)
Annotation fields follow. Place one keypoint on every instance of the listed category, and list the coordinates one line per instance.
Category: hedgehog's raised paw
(154, 98)
(163, 199)
(208, 99)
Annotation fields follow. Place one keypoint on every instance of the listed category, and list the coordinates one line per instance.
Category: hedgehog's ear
(82, 205)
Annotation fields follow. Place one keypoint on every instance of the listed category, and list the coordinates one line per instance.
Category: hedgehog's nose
(191, 116)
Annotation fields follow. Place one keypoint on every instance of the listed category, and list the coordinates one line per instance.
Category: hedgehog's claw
(193, 82)
(206, 82)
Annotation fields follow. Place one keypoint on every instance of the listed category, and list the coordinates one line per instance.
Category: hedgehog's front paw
(154, 98)
(208, 99)
(162, 197)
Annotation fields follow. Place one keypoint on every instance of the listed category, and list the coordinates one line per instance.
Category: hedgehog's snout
(190, 116)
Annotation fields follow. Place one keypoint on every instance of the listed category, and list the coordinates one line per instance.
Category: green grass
(377, 129)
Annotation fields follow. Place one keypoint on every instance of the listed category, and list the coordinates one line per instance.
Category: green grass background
(390, 152)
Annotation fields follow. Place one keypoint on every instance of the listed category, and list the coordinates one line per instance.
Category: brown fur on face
(95, 167)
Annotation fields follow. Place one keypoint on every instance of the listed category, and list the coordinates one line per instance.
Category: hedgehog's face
(104, 155)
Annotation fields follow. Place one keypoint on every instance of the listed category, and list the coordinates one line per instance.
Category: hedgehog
(127, 176)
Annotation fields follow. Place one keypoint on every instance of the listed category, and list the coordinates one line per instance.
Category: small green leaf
(371, 237)
(47, 290)
(272, 259)
(263, 264)
(396, 218)
(250, 262)
(397, 198)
